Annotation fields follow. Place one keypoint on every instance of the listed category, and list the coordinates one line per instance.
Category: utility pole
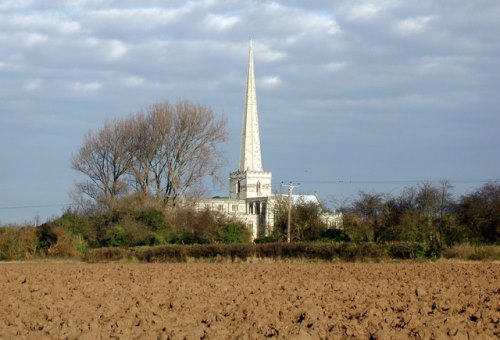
(290, 186)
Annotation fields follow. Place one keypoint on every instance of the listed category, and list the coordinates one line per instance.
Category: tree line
(426, 213)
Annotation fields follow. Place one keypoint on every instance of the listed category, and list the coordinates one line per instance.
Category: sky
(352, 95)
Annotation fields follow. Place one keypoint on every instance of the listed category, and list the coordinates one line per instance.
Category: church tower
(250, 180)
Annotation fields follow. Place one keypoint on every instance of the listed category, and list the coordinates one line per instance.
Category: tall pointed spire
(250, 155)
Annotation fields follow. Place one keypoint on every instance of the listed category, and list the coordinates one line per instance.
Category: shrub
(234, 233)
(75, 223)
(164, 253)
(67, 245)
(471, 252)
(271, 250)
(334, 235)
(354, 251)
(407, 250)
(46, 237)
(117, 236)
(154, 219)
(241, 251)
(153, 239)
(184, 236)
(18, 243)
(265, 239)
(106, 254)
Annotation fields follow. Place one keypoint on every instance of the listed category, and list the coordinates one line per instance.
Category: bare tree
(164, 151)
(105, 159)
(176, 147)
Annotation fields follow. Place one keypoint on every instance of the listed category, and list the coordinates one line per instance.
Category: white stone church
(250, 197)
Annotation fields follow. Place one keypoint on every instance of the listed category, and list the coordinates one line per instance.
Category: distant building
(250, 197)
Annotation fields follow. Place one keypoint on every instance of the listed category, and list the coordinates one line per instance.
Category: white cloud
(40, 23)
(317, 23)
(33, 85)
(413, 25)
(140, 17)
(265, 53)
(363, 11)
(116, 50)
(34, 39)
(220, 22)
(9, 5)
(86, 87)
(443, 64)
(336, 66)
(133, 81)
(269, 82)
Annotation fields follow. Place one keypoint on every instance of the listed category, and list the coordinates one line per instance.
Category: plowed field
(250, 300)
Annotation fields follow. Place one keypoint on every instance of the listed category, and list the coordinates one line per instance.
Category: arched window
(258, 187)
(238, 187)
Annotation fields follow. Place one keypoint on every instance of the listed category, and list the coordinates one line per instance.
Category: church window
(220, 207)
(258, 187)
(234, 207)
(238, 187)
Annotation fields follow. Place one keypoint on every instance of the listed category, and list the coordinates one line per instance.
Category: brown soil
(249, 300)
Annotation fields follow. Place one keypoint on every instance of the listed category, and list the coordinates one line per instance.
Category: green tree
(480, 213)
(306, 223)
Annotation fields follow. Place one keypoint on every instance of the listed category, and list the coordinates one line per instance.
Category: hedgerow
(347, 251)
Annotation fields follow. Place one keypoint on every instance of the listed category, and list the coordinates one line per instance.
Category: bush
(407, 250)
(164, 253)
(184, 236)
(106, 254)
(265, 239)
(241, 251)
(18, 243)
(153, 239)
(271, 250)
(67, 245)
(471, 252)
(154, 219)
(334, 235)
(234, 233)
(46, 237)
(354, 251)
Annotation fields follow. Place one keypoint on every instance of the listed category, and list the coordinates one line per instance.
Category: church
(250, 197)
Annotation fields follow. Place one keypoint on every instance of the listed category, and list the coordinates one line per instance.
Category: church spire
(250, 156)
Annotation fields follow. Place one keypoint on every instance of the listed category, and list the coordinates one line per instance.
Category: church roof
(250, 153)
(302, 198)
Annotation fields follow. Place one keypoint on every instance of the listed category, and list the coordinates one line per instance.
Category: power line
(36, 206)
(461, 181)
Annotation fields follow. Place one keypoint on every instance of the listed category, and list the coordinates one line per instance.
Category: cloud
(363, 11)
(34, 39)
(413, 25)
(86, 87)
(444, 64)
(116, 50)
(51, 23)
(220, 22)
(269, 82)
(134, 81)
(34, 85)
(267, 53)
(335, 66)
